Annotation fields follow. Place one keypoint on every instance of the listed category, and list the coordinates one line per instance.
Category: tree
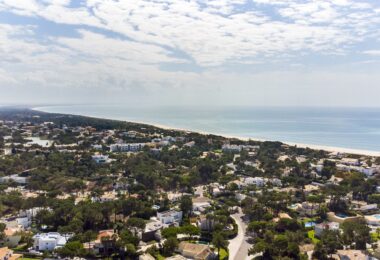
(328, 245)
(190, 230)
(2, 229)
(88, 236)
(170, 232)
(329, 169)
(259, 227)
(186, 205)
(71, 249)
(219, 241)
(286, 224)
(136, 222)
(356, 231)
(169, 246)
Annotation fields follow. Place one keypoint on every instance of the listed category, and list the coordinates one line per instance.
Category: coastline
(300, 145)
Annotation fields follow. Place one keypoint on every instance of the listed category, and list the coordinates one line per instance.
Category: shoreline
(300, 145)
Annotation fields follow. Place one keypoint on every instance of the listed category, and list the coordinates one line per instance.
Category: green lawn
(23, 247)
(160, 257)
(375, 237)
(306, 219)
(311, 235)
(223, 254)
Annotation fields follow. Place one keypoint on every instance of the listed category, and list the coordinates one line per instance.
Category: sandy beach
(301, 145)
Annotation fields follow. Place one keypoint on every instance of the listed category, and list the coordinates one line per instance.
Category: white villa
(50, 241)
(258, 181)
(100, 158)
(319, 228)
(131, 147)
(170, 217)
(15, 178)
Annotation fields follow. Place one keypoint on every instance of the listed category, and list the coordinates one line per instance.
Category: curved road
(238, 247)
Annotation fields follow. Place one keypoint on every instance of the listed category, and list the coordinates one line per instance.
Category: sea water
(355, 128)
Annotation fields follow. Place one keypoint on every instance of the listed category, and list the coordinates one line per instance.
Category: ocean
(353, 128)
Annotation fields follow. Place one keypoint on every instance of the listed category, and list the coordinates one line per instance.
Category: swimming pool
(310, 224)
(341, 215)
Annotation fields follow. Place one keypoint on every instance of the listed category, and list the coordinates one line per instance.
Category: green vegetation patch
(311, 235)
(223, 254)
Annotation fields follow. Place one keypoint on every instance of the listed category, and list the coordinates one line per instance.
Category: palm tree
(219, 241)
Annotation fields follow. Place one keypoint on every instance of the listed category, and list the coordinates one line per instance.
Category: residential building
(275, 182)
(104, 242)
(195, 251)
(50, 241)
(170, 217)
(100, 158)
(319, 228)
(350, 161)
(368, 171)
(240, 196)
(201, 204)
(231, 148)
(14, 178)
(368, 208)
(189, 144)
(351, 255)
(130, 147)
(258, 181)
(205, 224)
(308, 209)
(152, 231)
(97, 147)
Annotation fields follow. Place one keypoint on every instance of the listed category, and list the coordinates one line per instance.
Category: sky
(190, 52)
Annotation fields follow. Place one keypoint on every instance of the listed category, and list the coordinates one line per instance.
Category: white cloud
(372, 52)
(217, 32)
(122, 46)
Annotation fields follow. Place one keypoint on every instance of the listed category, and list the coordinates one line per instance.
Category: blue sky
(216, 52)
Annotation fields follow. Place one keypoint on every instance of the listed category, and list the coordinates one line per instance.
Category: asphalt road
(238, 247)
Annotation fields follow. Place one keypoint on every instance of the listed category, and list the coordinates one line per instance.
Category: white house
(25, 222)
(151, 231)
(308, 208)
(189, 144)
(368, 208)
(231, 148)
(350, 161)
(276, 182)
(14, 178)
(240, 196)
(201, 204)
(97, 147)
(319, 228)
(368, 171)
(131, 147)
(258, 181)
(100, 158)
(170, 217)
(50, 241)
(318, 167)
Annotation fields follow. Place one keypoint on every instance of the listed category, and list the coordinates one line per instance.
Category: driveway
(238, 247)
